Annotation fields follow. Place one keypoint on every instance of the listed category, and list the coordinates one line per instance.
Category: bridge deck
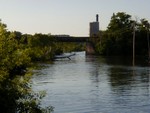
(71, 39)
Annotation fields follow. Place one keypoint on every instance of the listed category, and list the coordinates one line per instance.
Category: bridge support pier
(90, 50)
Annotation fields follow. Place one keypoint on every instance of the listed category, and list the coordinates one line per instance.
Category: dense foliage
(18, 52)
(118, 38)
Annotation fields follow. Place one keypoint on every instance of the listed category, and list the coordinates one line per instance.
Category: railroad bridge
(94, 31)
(71, 39)
(89, 44)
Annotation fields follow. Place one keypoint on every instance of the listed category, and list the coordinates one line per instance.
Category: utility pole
(148, 42)
(133, 60)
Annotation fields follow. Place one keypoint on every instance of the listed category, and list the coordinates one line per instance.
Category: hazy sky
(66, 16)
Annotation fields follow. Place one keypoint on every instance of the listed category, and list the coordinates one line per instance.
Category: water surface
(90, 84)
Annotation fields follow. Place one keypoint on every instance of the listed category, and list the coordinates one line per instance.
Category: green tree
(116, 40)
(142, 37)
(120, 21)
(15, 92)
(41, 47)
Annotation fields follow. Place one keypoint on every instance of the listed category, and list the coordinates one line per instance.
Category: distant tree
(121, 20)
(142, 37)
(116, 40)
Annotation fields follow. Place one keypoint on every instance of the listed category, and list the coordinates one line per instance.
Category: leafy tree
(14, 75)
(118, 38)
(120, 21)
(142, 37)
(41, 47)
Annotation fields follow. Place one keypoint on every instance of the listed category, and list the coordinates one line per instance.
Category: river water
(90, 84)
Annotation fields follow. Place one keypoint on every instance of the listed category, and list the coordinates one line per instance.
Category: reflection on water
(90, 84)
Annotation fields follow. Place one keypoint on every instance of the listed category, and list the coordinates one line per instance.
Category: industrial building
(94, 27)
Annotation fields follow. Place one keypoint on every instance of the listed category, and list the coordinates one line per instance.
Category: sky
(70, 17)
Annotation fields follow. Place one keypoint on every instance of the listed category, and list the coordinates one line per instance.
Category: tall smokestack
(97, 18)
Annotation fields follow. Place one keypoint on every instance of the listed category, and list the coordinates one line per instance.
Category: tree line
(117, 39)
